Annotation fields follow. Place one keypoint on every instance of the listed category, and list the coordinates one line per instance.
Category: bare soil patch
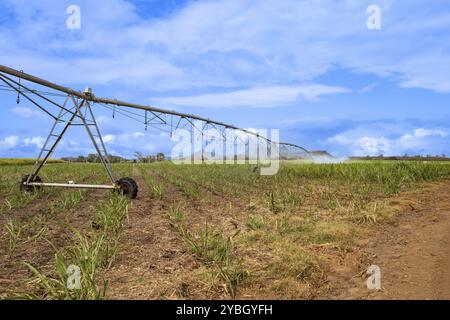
(412, 250)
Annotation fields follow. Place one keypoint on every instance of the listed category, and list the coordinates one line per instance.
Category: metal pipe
(90, 97)
(27, 97)
(34, 92)
(71, 185)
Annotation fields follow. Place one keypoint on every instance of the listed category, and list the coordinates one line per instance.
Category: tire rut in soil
(153, 261)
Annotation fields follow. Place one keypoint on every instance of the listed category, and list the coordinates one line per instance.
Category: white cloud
(268, 96)
(124, 138)
(109, 138)
(26, 112)
(339, 139)
(9, 142)
(426, 133)
(362, 145)
(417, 142)
(73, 143)
(126, 144)
(367, 88)
(372, 146)
(229, 43)
(36, 141)
(419, 139)
(138, 135)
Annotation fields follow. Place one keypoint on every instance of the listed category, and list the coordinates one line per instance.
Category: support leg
(56, 137)
(101, 150)
(82, 111)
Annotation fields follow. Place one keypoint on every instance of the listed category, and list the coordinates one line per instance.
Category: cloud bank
(228, 43)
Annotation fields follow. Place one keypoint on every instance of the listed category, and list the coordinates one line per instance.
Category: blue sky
(309, 68)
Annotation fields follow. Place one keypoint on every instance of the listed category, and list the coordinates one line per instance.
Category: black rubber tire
(29, 189)
(128, 187)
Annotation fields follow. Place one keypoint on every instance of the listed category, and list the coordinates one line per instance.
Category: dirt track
(413, 251)
(152, 259)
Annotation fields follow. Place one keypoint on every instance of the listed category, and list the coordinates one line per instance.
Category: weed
(13, 230)
(85, 254)
(255, 222)
(214, 251)
(273, 204)
(110, 216)
(175, 214)
(294, 262)
(283, 224)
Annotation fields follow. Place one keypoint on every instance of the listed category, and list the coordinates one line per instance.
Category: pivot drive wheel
(27, 188)
(128, 187)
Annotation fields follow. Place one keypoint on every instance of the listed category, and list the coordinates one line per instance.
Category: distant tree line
(405, 157)
(139, 157)
(94, 158)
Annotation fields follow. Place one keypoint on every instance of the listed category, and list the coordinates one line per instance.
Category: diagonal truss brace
(81, 111)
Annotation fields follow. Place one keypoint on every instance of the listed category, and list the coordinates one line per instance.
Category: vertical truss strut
(81, 110)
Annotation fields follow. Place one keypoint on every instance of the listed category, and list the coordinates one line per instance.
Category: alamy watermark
(227, 147)
(374, 279)
(374, 20)
(74, 277)
(73, 22)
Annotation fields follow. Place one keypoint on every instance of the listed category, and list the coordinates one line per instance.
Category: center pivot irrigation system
(74, 108)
